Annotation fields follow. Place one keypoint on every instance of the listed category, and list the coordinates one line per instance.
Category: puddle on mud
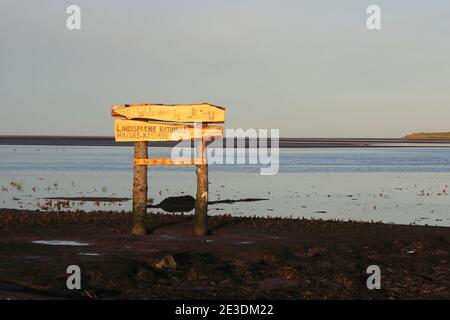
(61, 243)
(169, 237)
(88, 254)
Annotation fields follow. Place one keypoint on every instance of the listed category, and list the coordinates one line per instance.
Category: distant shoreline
(284, 142)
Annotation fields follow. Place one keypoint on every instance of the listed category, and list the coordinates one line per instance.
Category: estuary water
(406, 185)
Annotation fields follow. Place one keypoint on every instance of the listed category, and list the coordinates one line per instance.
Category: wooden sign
(135, 126)
(203, 112)
(133, 130)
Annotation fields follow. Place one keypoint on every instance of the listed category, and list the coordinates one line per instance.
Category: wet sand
(243, 258)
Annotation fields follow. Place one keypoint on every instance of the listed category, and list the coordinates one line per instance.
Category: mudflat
(242, 258)
(17, 140)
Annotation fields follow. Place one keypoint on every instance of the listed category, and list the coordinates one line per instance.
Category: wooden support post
(139, 190)
(201, 200)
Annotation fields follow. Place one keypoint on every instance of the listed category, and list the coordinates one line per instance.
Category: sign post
(201, 199)
(140, 189)
(141, 123)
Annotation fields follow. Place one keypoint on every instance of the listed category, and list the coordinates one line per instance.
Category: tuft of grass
(4, 189)
(16, 185)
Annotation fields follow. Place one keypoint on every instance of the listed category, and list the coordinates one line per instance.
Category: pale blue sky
(309, 68)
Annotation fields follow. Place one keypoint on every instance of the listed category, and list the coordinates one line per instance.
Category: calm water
(398, 185)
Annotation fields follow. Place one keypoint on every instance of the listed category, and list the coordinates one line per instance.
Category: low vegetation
(434, 135)
(16, 185)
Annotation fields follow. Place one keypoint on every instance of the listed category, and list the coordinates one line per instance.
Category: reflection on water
(399, 185)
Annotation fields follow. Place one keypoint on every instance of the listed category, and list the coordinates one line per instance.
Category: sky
(308, 68)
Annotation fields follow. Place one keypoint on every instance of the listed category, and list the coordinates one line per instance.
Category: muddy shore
(242, 258)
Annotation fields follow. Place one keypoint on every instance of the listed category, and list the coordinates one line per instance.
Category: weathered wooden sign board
(141, 123)
(203, 112)
(132, 130)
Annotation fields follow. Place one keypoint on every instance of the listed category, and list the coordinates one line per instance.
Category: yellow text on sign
(133, 130)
